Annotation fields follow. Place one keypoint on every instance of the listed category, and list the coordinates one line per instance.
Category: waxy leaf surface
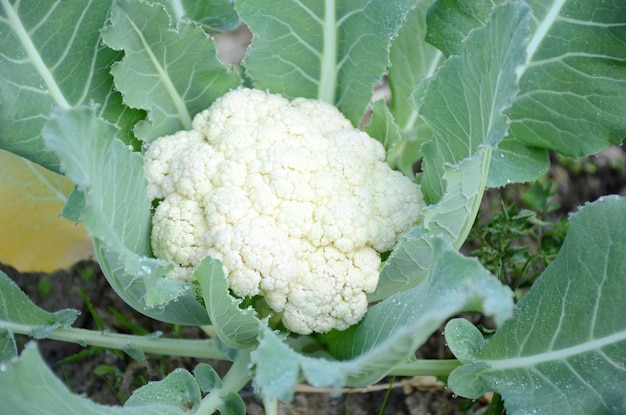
(572, 86)
(29, 387)
(465, 103)
(236, 327)
(170, 69)
(116, 212)
(52, 55)
(213, 16)
(564, 350)
(332, 50)
(16, 309)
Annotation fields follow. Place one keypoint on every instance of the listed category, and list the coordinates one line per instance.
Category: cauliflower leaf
(116, 213)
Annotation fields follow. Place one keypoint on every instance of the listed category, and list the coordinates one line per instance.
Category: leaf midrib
(54, 190)
(540, 33)
(328, 67)
(179, 102)
(562, 354)
(34, 56)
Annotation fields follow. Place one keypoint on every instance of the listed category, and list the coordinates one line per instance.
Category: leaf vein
(178, 101)
(532, 360)
(34, 55)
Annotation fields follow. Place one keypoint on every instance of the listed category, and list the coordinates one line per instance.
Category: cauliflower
(295, 203)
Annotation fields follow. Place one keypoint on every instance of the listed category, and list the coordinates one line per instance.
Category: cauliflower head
(294, 201)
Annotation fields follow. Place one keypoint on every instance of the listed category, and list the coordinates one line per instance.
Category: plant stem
(426, 367)
(236, 378)
(270, 405)
(239, 373)
(201, 349)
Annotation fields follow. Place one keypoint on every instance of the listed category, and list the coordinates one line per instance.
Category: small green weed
(517, 243)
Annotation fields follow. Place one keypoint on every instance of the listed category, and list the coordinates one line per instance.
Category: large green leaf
(464, 107)
(117, 214)
(51, 54)
(178, 389)
(17, 309)
(412, 61)
(450, 21)
(565, 349)
(214, 15)
(332, 50)
(170, 70)
(465, 104)
(450, 219)
(28, 387)
(107, 172)
(138, 280)
(8, 348)
(390, 332)
(236, 327)
(572, 86)
(383, 127)
(513, 162)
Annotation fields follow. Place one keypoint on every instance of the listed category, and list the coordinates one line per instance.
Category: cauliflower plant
(295, 202)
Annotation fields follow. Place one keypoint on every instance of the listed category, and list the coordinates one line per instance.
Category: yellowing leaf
(33, 235)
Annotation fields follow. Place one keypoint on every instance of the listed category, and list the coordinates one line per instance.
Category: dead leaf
(33, 235)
